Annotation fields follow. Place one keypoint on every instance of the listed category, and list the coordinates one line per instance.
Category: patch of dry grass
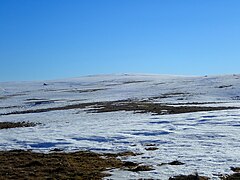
(7, 125)
(20, 164)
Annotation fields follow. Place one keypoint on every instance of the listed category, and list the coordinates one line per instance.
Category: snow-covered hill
(206, 141)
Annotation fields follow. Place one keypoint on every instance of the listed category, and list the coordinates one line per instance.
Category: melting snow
(207, 142)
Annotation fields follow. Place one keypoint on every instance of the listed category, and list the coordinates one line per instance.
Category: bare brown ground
(7, 125)
(20, 164)
(149, 107)
(126, 105)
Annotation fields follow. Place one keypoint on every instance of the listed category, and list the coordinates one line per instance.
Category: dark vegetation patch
(133, 82)
(8, 125)
(56, 150)
(195, 103)
(130, 164)
(151, 148)
(35, 99)
(224, 86)
(68, 107)
(189, 177)
(9, 107)
(235, 169)
(121, 154)
(140, 168)
(20, 164)
(76, 100)
(169, 95)
(235, 176)
(126, 105)
(149, 144)
(173, 163)
(148, 107)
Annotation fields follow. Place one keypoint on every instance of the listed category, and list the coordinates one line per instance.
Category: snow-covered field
(207, 142)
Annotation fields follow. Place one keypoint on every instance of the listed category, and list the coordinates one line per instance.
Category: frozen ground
(207, 142)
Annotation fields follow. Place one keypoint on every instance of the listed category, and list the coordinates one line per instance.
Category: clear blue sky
(51, 39)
